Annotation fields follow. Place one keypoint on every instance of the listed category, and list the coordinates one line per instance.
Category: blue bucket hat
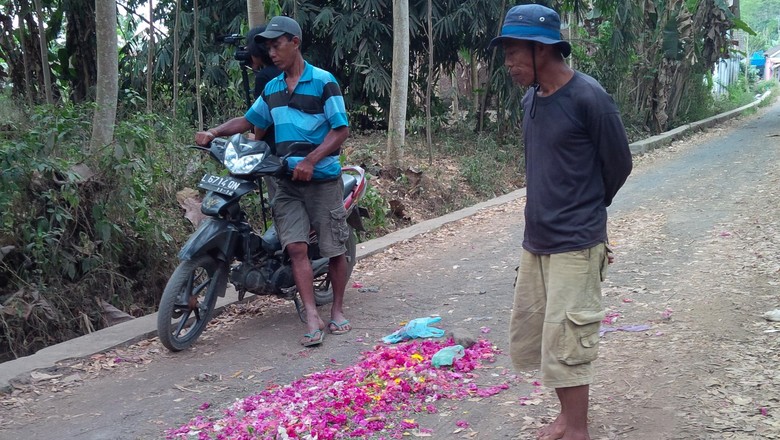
(534, 23)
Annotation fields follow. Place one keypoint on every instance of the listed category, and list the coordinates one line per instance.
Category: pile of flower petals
(376, 396)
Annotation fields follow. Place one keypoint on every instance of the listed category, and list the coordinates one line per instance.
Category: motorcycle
(225, 248)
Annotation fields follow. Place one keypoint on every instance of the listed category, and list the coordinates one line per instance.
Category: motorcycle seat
(349, 182)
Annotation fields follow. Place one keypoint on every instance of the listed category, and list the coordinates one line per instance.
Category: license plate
(220, 184)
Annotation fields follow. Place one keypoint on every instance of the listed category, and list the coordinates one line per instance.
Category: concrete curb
(666, 138)
(145, 327)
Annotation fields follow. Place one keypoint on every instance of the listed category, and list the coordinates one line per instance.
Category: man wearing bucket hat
(306, 108)
(577, 157)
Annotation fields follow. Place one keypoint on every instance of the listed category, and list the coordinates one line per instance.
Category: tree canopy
(620, 42)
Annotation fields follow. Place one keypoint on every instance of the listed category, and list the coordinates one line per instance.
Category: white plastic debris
(773, 315)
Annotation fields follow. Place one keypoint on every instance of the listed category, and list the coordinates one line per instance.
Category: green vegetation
(78, 229)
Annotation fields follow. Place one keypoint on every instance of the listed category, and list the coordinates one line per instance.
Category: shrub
(78, 227)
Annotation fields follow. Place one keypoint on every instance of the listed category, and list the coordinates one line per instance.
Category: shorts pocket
(338, 224)
(579, 341)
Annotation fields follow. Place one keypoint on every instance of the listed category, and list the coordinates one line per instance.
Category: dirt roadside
(697, 236)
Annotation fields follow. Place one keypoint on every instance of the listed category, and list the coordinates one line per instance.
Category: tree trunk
(26, 63)
(572, 33)
(108, 75)
(81, 49)
(10, 49)
(150, 59)
(396, 132)
(196, 55)
(455, 96)
(176, 29)
(429, 88)
(256, 12)
(474, 69)
(485, 93)
(44, 54)
(32, 45)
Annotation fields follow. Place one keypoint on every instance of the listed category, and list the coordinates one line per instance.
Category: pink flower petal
(375, 397)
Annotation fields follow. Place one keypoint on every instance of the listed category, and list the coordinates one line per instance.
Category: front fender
(214, 236)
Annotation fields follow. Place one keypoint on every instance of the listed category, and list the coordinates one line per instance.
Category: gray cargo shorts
(300, 206)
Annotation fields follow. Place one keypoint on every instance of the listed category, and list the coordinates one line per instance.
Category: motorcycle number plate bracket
(219, 184)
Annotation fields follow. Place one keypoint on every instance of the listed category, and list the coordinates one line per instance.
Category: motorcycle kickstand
(299, 307)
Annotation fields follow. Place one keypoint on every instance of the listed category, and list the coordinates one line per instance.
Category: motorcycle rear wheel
(323, 291)
(188, 301)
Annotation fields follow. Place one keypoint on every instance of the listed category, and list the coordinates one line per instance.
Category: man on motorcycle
(263, 67)
(305, 105)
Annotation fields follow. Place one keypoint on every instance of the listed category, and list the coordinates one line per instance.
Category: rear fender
(215, 237)
(358, 190)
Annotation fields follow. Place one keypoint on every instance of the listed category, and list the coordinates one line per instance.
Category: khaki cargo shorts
(300, 206)
(557, 313)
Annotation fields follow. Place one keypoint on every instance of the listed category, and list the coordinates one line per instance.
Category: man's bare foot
(553, 431)
(319, 324)
(312, 339)
(315, 332)
(338, 323)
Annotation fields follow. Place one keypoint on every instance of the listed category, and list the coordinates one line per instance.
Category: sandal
(312, 339)
(338, 328)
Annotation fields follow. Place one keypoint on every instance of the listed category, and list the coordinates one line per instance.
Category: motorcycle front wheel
(323, 291)
(188, 301)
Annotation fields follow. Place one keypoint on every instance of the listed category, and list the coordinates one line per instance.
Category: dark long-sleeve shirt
(577, 158)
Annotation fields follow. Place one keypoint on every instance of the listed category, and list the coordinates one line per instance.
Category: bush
(736, 96)
(77, 228)
(490, 169)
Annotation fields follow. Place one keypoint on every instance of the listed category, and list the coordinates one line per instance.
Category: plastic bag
(416, 328)
(447, 355)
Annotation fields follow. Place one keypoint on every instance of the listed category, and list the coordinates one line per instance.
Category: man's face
(255, 63)
(518, 60)
(283, 51)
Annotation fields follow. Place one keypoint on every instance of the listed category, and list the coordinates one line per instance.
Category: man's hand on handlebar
(203, 138)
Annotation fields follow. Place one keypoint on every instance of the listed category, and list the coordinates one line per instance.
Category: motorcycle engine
(255, 279)
(267, 278)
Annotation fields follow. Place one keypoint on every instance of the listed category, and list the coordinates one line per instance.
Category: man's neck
(556, 77)
(295, 70)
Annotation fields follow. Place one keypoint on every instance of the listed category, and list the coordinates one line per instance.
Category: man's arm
(259, 134)
(615, 155)
(231, 127)
(333, 141)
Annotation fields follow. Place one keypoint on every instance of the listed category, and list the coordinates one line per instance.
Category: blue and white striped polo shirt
(306, 115)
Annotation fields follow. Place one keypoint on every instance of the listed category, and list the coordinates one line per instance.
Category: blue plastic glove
(447, 355)
(416, 328)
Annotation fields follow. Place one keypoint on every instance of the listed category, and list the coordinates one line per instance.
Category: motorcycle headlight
(238, 164)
